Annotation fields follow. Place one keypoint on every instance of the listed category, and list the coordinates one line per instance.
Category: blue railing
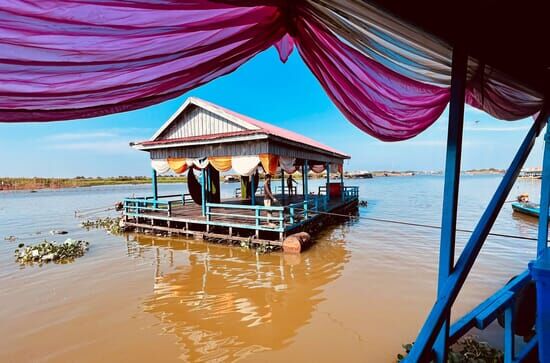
(256, 217)
(259, 218)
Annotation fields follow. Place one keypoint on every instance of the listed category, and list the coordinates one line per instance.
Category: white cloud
(110, 141)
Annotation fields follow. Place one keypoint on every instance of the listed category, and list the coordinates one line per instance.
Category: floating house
(202, 140)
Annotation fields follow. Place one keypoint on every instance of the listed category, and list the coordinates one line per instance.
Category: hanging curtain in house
(220, 163)
(214, 193)
(178, 165)
(195, 188)
(245, 165)
(160, 165)
(287, 164)
(198, 163)
(317, 168)
(60, 60)
(269, 163)
(245, 187)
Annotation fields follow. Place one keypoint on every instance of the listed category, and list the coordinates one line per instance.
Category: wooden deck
(234, 218)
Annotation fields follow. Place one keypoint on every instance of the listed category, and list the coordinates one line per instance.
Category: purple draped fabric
(63, 60)
(396, 107)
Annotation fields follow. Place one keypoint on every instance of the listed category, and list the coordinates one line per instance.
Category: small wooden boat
(528, 208)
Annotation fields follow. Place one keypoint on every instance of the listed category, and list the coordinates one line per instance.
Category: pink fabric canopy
(63, 60)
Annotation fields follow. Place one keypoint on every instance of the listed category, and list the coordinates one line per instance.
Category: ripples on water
(358, 294)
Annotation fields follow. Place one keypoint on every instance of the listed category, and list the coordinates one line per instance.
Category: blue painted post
(328, 181)
(283, 184)
(450, 192)
(422, 348)
(542, 243)
(203, 191)
(155, 187)
(306, 186)
(252, 190)
(304, 179)
(342, 182)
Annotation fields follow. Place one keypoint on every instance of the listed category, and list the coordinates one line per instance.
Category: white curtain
(245, 165)
(198, 163)
(287, 164)
(160, 165)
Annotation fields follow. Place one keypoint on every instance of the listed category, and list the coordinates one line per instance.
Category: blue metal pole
(203, 191)
(155, 185)
(422, 348)
(542, 243)
(342, 182)
(306, 186)
(252, 189)
(328, 181)
(450, 192)
(283, 184)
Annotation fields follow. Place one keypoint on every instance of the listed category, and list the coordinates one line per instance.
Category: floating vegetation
(10, 238)
(51, 252)
(467, 349)
(111, 225)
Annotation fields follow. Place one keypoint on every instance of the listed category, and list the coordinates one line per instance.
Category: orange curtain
(178, 165)
(269, 163)
(220, 163)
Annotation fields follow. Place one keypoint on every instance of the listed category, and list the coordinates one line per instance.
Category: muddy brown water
(359, 293)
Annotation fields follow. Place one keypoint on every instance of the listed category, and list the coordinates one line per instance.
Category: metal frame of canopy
(438, 334)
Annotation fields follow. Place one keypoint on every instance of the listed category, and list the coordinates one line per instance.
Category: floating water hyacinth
(111, 225)
(51, 252)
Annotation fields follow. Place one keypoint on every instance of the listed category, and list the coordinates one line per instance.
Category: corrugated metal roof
(254, 127)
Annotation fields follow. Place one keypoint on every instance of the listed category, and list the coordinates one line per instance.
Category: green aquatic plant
(111, 224)
(47, 251)
(467, 350)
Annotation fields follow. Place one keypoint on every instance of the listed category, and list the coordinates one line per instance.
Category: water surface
(359, 293)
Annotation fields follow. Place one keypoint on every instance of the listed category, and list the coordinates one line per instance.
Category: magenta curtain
(63, 60)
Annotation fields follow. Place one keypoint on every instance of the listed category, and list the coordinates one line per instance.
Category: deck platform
(237, 219)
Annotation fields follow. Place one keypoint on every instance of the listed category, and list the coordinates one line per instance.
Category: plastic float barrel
(540, 270)
(297, 242)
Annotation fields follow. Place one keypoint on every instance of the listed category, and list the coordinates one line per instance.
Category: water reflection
(224, 303)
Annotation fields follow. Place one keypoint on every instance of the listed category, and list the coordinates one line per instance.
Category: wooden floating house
(204, 140)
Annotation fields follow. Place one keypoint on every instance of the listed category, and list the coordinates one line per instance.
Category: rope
(91, 212)
(430, 226)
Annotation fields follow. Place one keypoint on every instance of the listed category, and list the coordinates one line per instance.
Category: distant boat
(231, 179)
(528, 208)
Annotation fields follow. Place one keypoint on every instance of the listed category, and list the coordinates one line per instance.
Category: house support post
(342, 181)
(253, 189)
(422, 349)
(542, 243)
(328, 181)
(306, 169)
(155, 187)
(450, 190)
(283, 184)
(203, 191)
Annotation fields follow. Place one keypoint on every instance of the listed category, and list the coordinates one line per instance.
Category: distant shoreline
(16, 184)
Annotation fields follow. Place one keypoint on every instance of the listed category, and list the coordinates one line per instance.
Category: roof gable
(197, 118)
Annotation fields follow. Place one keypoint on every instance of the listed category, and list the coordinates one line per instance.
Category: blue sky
(264, 88)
